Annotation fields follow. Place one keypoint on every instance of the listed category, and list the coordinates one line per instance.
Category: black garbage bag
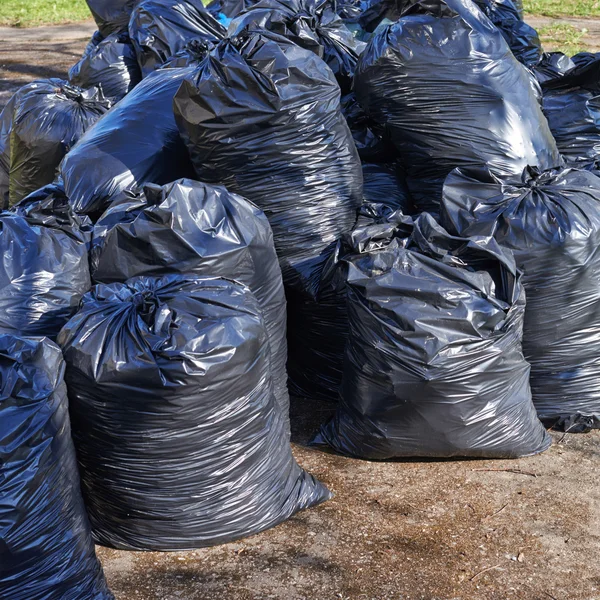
(261, 116)
(453, 97)
(111, 16)
(552, 65)
(191, 227)
(45, 537)
(137, 142)
(159, 29)
(37, 145)
(433, 364)
(551, 221)
(110, 65)
(44, 268)
(310, 24)
(179, 437)
(228, 9)
(384, 183)
(572, 107)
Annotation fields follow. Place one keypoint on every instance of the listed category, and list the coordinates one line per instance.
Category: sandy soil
(470, 530)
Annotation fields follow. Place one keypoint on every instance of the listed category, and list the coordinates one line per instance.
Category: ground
(409, 530)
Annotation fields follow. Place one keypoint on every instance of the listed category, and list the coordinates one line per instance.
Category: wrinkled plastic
(572, 107)
(311, 25)
(159, 29)
(111, 65)
(111, 16)
(47, 122)
(179, 437)
(433, 365)
(45, 537)
(191, 227)
(552, 65)
(551, 221)
(44, 266)
(228, 8)
(137, 142)
(261, 116)
(449, 70)
(384, 183)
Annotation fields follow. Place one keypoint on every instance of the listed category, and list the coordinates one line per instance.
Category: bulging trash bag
(433, 364)
(111, 16)
(551, 221)
(572, 107)
(384, 183)
(37, 145)
(44, 268)
(111, 65)
(473, 102)
(191, 227)
(179, 437)
(310, 24)
(45, 537)
(552, 65)
(522, 39)
(228, 9)
(161, 28)
(137, 142)
(244, 116)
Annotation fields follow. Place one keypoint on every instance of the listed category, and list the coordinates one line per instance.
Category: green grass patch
(562, 37)
(563, 8)
(29, 13)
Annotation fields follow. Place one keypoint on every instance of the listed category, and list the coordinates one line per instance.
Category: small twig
(565, 433)
(549, 595)
(517, 471)
(497, 512)
(484, 571)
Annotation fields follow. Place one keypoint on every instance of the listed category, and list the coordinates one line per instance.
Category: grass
(562, 37)
(29, 13)
(563, 8)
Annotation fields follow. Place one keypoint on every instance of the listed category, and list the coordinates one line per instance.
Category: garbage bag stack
(159, 29)
(44, 268)
(111, 16)
(180, 441)
(551, 221)
(190, 227)
(110, 65)
(46, 122)
(434, 365)
(137, 142)
(261, 116)
(453, 97)
(46, 543)
(572, 106)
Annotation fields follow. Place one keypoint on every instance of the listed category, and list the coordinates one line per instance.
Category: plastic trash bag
(137, 142)
(572, 107)
(551, 222)
(228, 9)
(179, 437)
(552, 65)
(45, 537)
(244, 117)
(384, 183)
(473, 101)
(37, 145)
(44, 267)
(311, 25)
(433, 365)
(111, 16)
(111, 65)
(191, 227)
(161, 28)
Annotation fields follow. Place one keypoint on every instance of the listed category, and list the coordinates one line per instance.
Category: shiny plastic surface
(384, 183)
(159, 29)
(179, 437)
(46, 547)
(433, 364)
(44, 264)
(111, 65)
(192, 227)
(137, 142)
(551, 222)
(450, 93)
(111, 16)
(47, 122)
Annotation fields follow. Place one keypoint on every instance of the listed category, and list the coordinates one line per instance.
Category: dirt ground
(410, 530)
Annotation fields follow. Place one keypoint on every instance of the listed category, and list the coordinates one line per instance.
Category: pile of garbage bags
(389, 206)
